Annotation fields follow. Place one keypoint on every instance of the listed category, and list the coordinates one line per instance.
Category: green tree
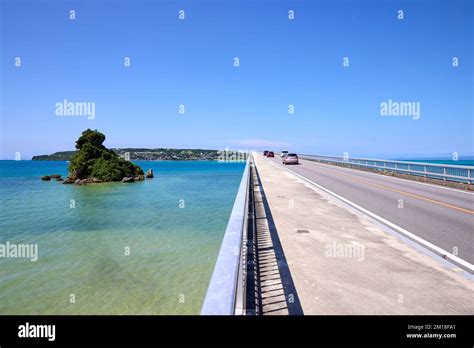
(94, 160)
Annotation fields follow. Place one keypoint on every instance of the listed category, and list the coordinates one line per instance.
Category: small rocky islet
(57, 177)
(94, 163)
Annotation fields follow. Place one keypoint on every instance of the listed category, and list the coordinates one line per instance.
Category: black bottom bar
(290, 330)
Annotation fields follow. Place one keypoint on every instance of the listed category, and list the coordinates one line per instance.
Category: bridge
(347, 236)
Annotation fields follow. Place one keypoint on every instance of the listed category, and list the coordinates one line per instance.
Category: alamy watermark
(68, 108)
(37, 331)
(394, 108)
(232, 155)
(349, 250)
(13, 250)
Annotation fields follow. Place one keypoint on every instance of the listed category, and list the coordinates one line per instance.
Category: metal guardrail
(225, 292)
(432, 170)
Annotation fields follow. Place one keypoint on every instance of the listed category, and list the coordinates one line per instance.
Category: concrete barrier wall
(223, 291)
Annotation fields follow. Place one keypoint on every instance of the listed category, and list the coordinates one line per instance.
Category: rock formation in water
(94, 163)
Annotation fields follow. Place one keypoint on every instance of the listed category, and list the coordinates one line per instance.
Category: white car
(283, 154)
(291, 158)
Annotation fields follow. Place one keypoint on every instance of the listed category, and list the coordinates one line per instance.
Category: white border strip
(437, 250)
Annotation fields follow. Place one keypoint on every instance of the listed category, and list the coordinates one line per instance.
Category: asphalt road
(444, 217)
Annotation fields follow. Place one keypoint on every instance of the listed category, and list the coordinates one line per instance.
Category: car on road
(270, 154)
(265, 152)
(283, 154)
(291, 158)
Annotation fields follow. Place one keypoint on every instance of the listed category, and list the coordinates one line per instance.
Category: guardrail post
(425, 170)
(445, 172)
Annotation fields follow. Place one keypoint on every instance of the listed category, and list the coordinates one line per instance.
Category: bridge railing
(450, 172)
(225, 293)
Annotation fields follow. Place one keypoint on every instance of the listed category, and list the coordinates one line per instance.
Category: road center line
(437, 250)
(439, 187)
(404, 193)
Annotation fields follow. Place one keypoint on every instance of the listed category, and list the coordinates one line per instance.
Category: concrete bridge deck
(439, 215)
(332, 259)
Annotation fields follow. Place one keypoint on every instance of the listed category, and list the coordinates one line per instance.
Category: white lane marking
(437, 250)
(400, 179)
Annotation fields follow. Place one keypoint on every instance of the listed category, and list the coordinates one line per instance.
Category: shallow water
(172, 225)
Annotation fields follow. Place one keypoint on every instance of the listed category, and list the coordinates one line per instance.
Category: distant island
(142, 154)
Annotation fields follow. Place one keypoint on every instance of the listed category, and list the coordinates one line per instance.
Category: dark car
(265, 152)
(270, 154)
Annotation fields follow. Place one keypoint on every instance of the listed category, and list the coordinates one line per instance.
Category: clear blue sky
(283, 62)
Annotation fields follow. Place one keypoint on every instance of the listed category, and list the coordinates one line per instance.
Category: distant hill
(143, 154)
(57, 156)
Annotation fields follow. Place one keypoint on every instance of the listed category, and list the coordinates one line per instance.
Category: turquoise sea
(172, 225)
